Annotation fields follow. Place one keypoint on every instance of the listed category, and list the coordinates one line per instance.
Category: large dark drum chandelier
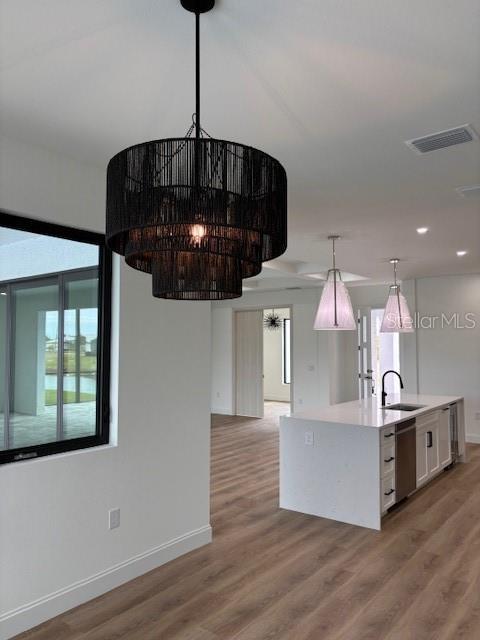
(197, 213)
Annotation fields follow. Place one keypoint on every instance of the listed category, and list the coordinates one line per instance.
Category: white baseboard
(224, 411)
(51, 605)
(473, 438)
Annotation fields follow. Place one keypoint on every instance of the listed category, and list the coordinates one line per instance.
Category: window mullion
(7, 364)
(60, 361)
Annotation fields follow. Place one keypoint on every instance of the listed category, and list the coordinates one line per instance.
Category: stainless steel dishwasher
(405, 459)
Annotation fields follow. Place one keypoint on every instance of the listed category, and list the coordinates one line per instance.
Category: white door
(422, 457)
(365, 377)
(249, 363)
(444, 440)
(433, 453)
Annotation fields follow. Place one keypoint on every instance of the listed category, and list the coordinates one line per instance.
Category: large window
(55, 288)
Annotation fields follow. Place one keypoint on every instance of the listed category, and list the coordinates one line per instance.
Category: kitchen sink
(400, 406)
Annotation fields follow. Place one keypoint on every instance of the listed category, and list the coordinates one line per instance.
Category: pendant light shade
(396, 318)
(197, 213)
(335, 309)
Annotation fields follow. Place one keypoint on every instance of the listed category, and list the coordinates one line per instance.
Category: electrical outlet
(311, 367)
(477, 415)
(309, 438)
(114, 518)
(300, 401)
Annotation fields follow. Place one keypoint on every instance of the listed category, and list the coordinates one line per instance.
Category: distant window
(286, 351)
(54, 339)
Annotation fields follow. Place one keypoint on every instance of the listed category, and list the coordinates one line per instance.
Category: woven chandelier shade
(198, 213)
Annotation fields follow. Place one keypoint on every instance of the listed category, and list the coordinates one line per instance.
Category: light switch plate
(114, 518)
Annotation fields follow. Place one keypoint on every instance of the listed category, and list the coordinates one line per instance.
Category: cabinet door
(388, 492)
(422, 458)
(444, 441)
(433, 454)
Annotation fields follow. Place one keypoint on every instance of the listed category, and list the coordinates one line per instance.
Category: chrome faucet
(384, 393)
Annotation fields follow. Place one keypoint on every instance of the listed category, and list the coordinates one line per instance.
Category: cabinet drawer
(388, 459)
(388, 492)
(387, 436)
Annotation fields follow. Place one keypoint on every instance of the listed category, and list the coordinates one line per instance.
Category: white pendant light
(335, 311)
(397, 318)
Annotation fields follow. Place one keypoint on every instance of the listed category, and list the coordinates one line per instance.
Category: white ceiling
(331, 88)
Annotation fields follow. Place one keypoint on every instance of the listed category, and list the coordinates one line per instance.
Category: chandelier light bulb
(198, 232)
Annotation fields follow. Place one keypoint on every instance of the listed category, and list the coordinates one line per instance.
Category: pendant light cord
(335, 322)
(397, 292)
(197, 76)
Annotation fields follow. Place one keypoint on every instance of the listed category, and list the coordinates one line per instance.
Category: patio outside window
(54, 334)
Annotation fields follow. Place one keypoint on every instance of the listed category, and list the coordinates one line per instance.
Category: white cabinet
(444, 440)
(388, 459)
(388, 492)
(433, 454)
(387, 467)
(433, 445)
(422, 457)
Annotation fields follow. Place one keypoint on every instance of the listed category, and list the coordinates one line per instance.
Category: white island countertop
(369, 412)
(347, 462)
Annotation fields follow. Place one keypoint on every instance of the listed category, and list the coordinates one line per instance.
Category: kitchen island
(354, 461)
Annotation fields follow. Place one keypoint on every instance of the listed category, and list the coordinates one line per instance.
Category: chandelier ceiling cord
(197, 213)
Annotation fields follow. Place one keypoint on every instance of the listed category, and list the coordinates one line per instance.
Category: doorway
(276, 361)
(263, 355)
(377, 352)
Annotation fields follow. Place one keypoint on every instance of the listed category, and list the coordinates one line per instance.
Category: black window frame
(286, 372)
(102, 435)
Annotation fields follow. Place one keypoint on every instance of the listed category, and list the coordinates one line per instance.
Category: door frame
(262, 308)
(364, 373)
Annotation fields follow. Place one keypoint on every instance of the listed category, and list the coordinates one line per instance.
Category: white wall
(273, 386)
(310, 362)
(449, 357)
(222, 387)
(55, 547)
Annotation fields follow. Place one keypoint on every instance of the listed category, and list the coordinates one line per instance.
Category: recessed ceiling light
(3, 293)
(461, 253)
(422, 230)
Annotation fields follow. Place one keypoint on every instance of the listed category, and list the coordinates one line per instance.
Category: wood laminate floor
(273, 574)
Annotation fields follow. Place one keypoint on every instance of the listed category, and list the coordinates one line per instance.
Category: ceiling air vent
(443, 139)
(469, 192)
